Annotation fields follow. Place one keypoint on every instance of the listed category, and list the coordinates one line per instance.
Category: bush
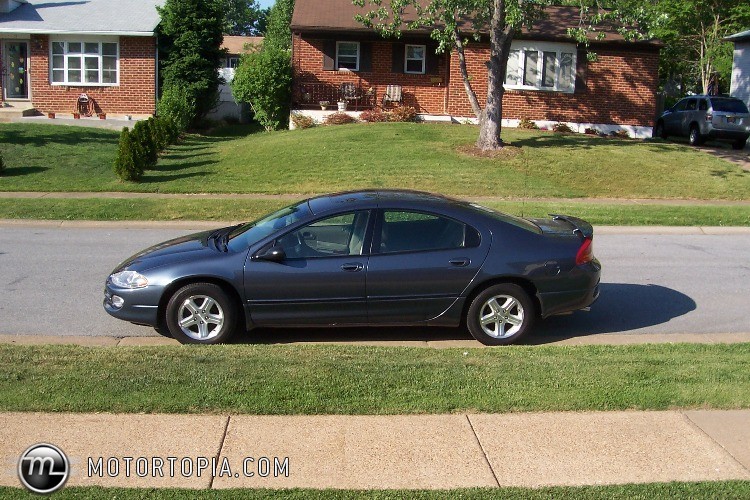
(147, 153)
(178, 105)
(620, 134)
(527, 124)
(339, 119)
(402, 114)
(126, 163)
(562, 128)
(373, 116)
(302, 121)
(2, 164)
(264, 81)
(590, 131)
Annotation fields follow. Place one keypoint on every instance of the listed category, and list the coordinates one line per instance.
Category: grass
(420, 156)
(242, 209)
(286, 380)
(696, 491)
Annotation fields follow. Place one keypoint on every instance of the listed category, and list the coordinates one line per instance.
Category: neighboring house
(549, 78)
(741, 66)
(52, 51)
(235, 47)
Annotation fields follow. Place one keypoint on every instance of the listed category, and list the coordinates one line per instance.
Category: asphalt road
(52, 281)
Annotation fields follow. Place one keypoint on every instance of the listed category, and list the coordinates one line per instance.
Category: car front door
(419, 265)
(687, 117)
(319, 281)
(672, 120)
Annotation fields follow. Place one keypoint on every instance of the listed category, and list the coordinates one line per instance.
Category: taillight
(585, 253)
(709, 117)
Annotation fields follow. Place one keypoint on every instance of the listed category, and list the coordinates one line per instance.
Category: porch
(316, 95)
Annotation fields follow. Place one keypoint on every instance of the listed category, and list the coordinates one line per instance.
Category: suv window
(702, 105)
(728, 105)
(680, 106)
(407, 231)
(333, 236)
(691, 105)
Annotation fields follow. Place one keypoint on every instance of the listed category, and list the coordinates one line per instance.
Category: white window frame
(523, 46)
(407, 59)
(83, 40)
(229, 61)
(359, 54)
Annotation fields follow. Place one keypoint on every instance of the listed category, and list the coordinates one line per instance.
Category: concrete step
(11, 111)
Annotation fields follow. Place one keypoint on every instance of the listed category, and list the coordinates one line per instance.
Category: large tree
(278, 30)
(243, 17)
(454, 23)
(190, 37)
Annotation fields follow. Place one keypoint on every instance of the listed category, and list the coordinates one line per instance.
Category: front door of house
(15, 66)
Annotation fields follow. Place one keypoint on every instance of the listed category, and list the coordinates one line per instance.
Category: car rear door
(419, 265)
(321, 281)
(688, 116)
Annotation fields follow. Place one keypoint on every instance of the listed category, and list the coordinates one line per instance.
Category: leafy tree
(2, 163)
(127, 167)
(190, 37)
(264, 79)
(449, 22)
(278, 30)
(243, 17)
(177, 105)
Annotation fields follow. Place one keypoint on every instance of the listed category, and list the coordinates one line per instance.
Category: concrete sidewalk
(384, 452)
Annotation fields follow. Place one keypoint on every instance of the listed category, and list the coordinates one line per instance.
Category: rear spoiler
(580, 226)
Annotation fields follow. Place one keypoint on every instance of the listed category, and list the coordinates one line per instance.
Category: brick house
(52, 51)
(549, 78)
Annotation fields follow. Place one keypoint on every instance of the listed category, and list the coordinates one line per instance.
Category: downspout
(156, 75)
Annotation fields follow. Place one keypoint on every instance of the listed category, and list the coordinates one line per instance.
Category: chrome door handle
(462, 262)
(352, 267)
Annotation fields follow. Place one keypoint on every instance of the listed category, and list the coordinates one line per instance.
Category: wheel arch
(172, 288)
(526, 284)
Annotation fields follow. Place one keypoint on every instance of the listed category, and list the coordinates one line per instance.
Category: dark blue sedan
(366, 258)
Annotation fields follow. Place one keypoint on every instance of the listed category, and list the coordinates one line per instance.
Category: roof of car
(373, 198)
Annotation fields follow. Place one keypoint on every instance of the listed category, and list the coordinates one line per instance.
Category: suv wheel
(695, 138)
(739, 144)
(660, 131)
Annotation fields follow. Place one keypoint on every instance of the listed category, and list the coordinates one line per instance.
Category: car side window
(691, 105)
(408, 231)
(339, 235)
(702, 105)
(680, 106)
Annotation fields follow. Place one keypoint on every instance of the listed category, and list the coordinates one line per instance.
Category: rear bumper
(587, 277)
(727, 135)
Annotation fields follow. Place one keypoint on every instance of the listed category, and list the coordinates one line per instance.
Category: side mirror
(273, 254)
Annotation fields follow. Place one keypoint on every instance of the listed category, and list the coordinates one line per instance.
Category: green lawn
(282, 379)
(696, 491)
(419, 156)
(245, 210)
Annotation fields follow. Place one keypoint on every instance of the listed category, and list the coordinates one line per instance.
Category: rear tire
(500, 315)
(201, 313)
(695, 138)
(739, 144)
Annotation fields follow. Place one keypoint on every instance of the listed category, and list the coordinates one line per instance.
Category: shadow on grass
(153, 179)
(578, 141)
(621, 307)
(19, 171)
(43, 135)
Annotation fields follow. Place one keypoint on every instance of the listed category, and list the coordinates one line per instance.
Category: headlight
(129, 279)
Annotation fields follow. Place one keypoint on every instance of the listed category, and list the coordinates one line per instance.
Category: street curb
(600, 339)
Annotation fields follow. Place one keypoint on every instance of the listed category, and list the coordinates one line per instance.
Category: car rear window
(510, 219)
(728, 105)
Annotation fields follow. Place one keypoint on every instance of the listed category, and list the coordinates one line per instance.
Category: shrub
(177, 104)
(147, 153)
(302, 121)
(2, 164)
(527, 124)
(339, 119)
(562, 128)
(126, 163)
(264, 81)
(373, 116)
(402, 114)
(620, 134)
(590, 131)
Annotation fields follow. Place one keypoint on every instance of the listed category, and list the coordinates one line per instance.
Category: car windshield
(247, 234)
(510, 219)
(728, 105)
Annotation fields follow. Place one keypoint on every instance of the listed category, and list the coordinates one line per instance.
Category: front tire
(660, 131)
(500, 315)
(201, 313)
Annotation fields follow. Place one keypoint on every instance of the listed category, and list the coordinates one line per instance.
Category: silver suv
(703, 117)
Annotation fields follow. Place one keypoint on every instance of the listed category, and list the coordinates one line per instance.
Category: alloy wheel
(501, 316)
(200, 317)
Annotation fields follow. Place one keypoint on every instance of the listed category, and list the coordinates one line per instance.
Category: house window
(543, 66)
(415, 59)
(233, 62)
(85, 63)
(347, 55)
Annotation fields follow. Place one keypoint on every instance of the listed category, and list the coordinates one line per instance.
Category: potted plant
(76, 114)
(102, 116)
(51, 115)
(324, 105)
(342, 105)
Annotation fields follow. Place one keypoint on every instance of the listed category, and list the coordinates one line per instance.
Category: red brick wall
(134, 95)
(620, 89)
(419, 91)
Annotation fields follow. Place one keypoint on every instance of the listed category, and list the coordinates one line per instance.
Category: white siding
(741, 71)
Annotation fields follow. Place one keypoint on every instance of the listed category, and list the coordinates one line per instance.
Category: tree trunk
(501, 37)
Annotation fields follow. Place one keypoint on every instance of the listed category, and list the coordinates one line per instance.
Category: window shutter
(397, 61)
(581, 69)
(365, 56)
(432, 62)
(329, 54)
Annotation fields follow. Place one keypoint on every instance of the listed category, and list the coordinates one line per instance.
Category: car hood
(170, 251)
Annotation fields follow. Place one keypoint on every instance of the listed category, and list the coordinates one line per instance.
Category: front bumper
(138, 306)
